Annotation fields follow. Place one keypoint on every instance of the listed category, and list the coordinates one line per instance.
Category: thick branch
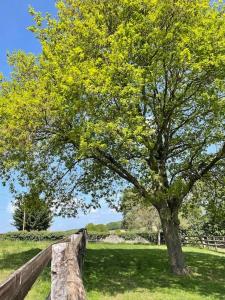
(109, 161)
(218, 157)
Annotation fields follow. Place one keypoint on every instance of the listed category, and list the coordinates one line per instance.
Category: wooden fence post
(215, 243)
(66, 274)
(158, 238)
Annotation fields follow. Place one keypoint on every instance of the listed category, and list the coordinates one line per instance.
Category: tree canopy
(124, 93)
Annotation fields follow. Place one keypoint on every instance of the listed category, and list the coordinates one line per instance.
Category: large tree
(124, 93)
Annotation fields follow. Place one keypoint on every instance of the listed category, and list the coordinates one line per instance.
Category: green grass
(13, 254)
(139, 272)
(128, 272)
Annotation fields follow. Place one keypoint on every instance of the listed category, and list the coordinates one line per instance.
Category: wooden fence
(67, 258)
(205, 241)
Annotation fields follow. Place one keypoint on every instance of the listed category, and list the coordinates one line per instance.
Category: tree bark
(24, 219)
(170, 226)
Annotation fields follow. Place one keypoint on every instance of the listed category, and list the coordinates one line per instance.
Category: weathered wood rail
(66, 269)
(204, 241)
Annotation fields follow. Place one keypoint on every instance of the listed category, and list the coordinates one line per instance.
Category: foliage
(96, 228)
(36, 235)
(208, 218)
(103, 227)
(114, 225)
(136, 214)
(127, 235)
(124, 93)
(146, 116)
(31, 213)
(131, 236)
(97, 236)
(58, 235)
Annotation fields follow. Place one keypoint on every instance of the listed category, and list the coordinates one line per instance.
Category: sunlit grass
(13, 254)
(136, 272)
(128, 272)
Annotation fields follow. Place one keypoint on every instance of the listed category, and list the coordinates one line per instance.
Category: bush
(58, 235)
(96, 227)
(117, 232)
(114, 225)
(36, 235)
(97, 236)
(127, 236)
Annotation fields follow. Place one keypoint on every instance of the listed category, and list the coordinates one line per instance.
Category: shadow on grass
(113, 271)
(13, 261)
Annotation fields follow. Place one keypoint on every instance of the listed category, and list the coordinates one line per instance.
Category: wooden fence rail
(19, 283)
(67, 258)
(204, 241)
(67, 262)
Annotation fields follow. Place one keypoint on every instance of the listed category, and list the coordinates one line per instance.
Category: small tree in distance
(31, 213)
(96, 227)
(138, 215)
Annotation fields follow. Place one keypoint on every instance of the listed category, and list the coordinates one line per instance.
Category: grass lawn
(13, 254)
(139, 272)
(128, 272)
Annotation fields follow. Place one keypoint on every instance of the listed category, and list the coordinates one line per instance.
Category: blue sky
(14, 19)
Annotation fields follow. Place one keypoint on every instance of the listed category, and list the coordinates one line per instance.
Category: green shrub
(58, 235)
(127, 236)
(117, 232)
(36, 235)
(97, 236)
(114, 225)
(131, 235)
(96, 227)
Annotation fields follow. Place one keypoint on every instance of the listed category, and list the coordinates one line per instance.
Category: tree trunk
(24, 219)
(170, 225)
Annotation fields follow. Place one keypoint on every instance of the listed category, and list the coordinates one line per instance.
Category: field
(128, 272)
(124, 272)
(13, 254)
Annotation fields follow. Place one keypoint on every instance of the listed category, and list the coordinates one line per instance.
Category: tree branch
(200, 173)
(116, 167)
